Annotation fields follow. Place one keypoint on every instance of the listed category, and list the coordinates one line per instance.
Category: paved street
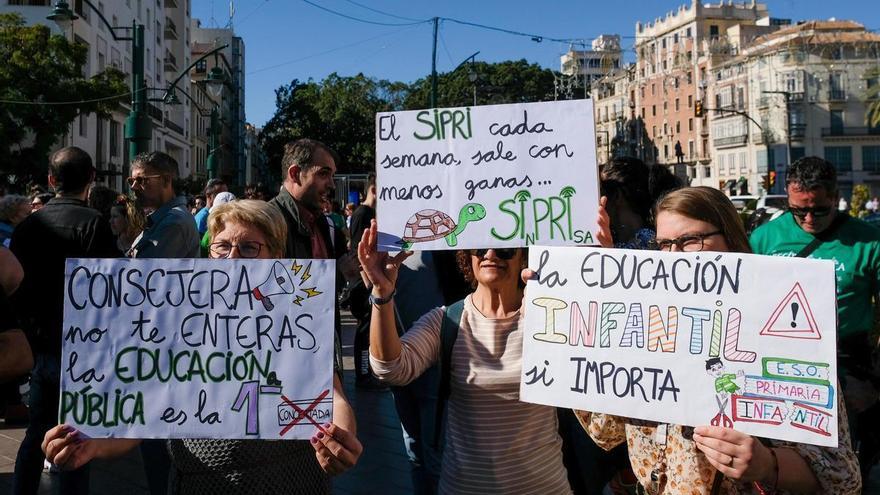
(382, 469)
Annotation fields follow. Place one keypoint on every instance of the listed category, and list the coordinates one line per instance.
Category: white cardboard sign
(726, 339)
(197, 348)
(487, 176)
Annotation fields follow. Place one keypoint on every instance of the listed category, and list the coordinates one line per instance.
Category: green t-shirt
(855, 250)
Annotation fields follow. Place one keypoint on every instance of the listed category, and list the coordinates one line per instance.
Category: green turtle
(430, 224)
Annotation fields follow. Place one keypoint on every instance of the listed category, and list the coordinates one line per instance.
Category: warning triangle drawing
(793, 318)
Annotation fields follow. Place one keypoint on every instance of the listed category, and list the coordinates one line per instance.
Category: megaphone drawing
(279, 282)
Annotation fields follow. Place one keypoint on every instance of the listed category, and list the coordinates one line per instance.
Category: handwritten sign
(188, 348)
(488, 176)
(727, 339)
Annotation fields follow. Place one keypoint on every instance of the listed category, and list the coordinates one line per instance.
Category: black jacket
(64, 228)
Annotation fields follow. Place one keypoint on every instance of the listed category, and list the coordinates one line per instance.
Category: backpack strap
(823, 236)
(448, 334)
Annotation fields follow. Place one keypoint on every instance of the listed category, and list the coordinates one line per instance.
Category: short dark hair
(163, 163)
(72, 169)
(371, 180)
(712, 362)
(213, 186)
(302, 153)
(811, 172)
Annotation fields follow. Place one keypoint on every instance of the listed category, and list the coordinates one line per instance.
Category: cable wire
(80, 102)
(382, 12)
(325, 52)
(313, 4)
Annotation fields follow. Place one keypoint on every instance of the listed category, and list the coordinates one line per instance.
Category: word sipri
(456, 122)
(657, 335)
(96, 409)
(623, 382)
(536, 219)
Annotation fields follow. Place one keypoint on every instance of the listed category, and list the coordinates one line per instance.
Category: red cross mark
(303, 413)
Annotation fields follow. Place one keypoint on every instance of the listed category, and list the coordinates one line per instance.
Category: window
(690, 75)
(114, 137)
(83, 125)
(690, 124)
(690, 149)
(202, 67)
(840, 156)
(665, 129)
(690, 101)
(654, 131)
(707, 172)
(871, 158)
(676, 104)
(713, 31)
(665, 107)
(675, 38)
(653, 89)
(740, 98)
(836, 120)
(678, 127)
(687, 33)
(653, 110)
(742, 160)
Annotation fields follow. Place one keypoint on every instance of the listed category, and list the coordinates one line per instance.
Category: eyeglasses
(816, 211)
(246, 249)
(143, 179)
(503, 253)
(692, 242)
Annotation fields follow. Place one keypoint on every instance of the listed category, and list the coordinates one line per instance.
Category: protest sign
(725, 339)
(487, 176)
(189, 348)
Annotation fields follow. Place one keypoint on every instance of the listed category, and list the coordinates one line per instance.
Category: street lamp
(472, 74)
(215, 82)
(138, 126)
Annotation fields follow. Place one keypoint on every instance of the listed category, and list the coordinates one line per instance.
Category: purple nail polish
(313, 440)
(320, 434)
(327, 425)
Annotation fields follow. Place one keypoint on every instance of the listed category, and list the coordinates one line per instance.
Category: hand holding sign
(380, 268)
(737, 455)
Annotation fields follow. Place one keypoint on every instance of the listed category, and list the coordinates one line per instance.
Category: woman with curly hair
(126, 221)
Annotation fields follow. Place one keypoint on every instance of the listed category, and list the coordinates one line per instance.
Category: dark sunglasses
(502, 253)
(816, 211)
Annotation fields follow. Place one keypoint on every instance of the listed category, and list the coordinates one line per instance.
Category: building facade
(166, 36)
(582, 68)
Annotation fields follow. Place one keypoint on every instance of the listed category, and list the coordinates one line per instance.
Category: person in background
(65, 228)
(102, 198)
(349, 210)
(198, 203)
(241, 229)
(842, 205)
(13, 210)
(169, 232)
(126, 222)
(39, 200)
(16, 358)
(221, 199)
(212, 189)
(358, 294)
(813, 228)
(713, 459)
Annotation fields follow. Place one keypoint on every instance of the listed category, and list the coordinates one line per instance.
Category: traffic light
(772, 178)
(765, 180)
(698, 108)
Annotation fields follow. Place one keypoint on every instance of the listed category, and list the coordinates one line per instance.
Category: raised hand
(380, 269)
(67, 448)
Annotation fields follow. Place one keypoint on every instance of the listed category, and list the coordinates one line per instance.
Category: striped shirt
(494, 442)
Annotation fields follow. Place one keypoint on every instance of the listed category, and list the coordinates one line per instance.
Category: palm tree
(872, 98)
(522, 197)
(567, 192)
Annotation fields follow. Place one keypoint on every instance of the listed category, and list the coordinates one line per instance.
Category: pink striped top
(494, 442)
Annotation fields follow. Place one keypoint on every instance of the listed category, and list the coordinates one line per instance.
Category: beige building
(805, 85)
(614, 108)
(166, 35)
(584, 67)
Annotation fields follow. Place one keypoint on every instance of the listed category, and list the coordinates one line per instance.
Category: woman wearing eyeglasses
(493, 442)
(241, 229)
(714, 459)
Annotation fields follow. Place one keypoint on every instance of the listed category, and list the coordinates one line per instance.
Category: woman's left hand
(603, 236)
(737, 455)
(337, 450)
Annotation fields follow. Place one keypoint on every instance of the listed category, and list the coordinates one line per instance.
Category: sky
(298, 39)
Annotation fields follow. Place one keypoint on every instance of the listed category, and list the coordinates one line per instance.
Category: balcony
(173, 126)
(836, 95)
(731, 141)
(170, 62)
(798, 131)
(154, 111)
(763, 102)
(171, 4)
(796, 97)
(846, 131)
(170, 29)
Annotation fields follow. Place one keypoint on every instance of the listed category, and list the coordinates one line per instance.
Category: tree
(40, 67)
(860, 195)
(872, 97)
(503, 82)
(339, 111)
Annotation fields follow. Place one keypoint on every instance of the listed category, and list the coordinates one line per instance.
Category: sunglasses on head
(817, 212)
(502, 253)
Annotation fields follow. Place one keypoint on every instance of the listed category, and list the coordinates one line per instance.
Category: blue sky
(291, 39)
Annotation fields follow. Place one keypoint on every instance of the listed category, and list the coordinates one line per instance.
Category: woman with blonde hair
(127, 222)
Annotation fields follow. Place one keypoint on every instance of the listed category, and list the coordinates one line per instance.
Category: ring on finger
(730, 464)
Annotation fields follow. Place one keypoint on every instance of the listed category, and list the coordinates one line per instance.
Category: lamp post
(472, 74)
(138, 126)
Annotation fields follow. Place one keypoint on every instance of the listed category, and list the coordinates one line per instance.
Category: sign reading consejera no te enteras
(189, 348)
(487, 176)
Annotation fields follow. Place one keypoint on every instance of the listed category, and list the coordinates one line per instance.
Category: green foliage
(341, 111)
(872, 98)
(861, 194)
(41, 67)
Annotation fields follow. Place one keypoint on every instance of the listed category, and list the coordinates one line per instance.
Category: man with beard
(65, 228)
(169, 233)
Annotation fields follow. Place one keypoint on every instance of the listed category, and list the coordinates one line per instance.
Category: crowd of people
(442, 329)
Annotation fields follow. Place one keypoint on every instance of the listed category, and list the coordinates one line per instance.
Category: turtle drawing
(430, 224)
